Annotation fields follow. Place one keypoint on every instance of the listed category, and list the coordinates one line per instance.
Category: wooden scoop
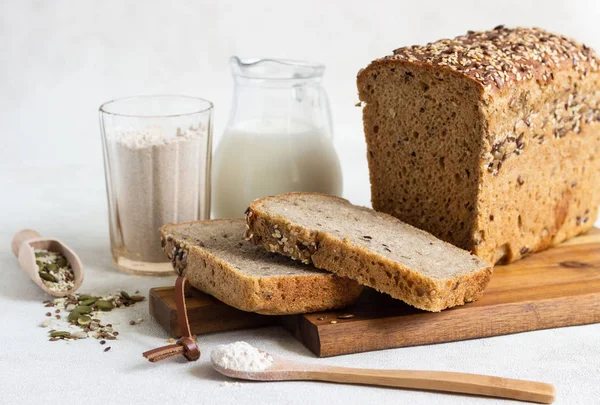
(23, 245)
(474, 384)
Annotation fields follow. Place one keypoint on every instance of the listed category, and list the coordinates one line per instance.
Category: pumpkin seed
(104, 305)
(84, 320)
(83, 309)
(52, 267)
(47, 276)
(73, 316)
(84, 297)
(137, 298)
(88, 302)
(40, 254)
(125, 295)
(60, 333)
(62, 261)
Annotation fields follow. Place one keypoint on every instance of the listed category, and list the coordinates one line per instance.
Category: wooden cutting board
(555, 288)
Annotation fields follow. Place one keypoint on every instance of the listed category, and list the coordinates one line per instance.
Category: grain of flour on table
(240, 356)
(231, 384)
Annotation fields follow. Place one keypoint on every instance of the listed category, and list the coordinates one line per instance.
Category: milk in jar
(262, 158)
(278, 138)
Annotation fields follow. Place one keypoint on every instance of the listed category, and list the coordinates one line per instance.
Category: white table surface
(34, 369)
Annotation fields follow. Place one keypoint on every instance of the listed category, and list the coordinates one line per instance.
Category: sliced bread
(216, 259)
(373, 248)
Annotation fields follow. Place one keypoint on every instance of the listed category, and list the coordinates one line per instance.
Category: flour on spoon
(240, 356)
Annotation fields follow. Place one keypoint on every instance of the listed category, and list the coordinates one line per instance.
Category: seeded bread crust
(346, 257)
(489, 141)
(208, 252)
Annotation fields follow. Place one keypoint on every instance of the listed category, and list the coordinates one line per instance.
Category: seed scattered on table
(136, 321)
(345, 316)
(80, 335)
(84, 315)
(333, 322)
(107, 349)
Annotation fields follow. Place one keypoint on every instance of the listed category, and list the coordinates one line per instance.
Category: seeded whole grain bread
(489, 141)
(373, 248)
(217, 260)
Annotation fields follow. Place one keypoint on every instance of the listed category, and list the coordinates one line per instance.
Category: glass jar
(157, 155)
(278, 138)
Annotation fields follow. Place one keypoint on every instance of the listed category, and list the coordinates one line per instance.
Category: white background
(61, 59)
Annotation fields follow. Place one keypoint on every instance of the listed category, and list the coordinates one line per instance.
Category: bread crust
(276, 295)
(368, 268)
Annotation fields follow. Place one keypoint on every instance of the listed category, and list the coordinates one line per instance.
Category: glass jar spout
(275, 69)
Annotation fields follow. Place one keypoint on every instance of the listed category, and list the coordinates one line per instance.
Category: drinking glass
(157, 159)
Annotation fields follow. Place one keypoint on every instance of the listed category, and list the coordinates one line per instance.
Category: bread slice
(216, 259)
(373, 248)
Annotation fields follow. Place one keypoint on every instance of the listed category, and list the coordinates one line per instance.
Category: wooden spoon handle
(20, 237)
(442, 381)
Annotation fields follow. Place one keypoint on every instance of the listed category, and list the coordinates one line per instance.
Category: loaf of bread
(489, 141)
(216, 259)
(373, 248)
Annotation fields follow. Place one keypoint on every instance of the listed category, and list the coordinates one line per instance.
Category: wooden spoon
(475, 384)
(23, 245)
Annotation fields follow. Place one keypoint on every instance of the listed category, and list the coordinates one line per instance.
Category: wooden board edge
(304, 331)
(160, 311)
(495, 321)
(217, 317)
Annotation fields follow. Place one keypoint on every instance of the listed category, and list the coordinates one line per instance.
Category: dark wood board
(555, 288)
(205, 313)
